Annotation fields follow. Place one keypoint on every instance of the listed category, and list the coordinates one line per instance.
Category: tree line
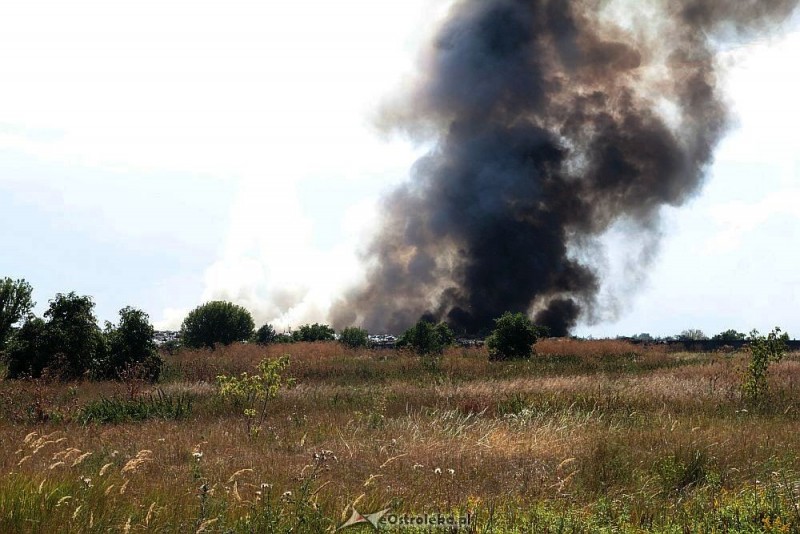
(67, 342)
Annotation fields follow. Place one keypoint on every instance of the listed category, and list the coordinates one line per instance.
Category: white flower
(197, 455)
(437, 471)
(452, 472)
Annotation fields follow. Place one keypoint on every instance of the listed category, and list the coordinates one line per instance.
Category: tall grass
(584, 437)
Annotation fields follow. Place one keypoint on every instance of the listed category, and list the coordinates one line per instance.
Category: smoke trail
(552, 121)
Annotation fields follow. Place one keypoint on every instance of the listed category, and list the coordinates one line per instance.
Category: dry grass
(582, 424)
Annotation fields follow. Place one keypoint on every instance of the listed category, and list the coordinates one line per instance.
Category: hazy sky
(159, 154)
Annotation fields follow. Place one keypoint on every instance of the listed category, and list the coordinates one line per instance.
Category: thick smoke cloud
(550, 122)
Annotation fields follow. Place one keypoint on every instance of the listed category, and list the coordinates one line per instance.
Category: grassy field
(596, 436)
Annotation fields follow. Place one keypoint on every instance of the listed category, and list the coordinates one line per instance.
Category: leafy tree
(512, 338)
(426, 338)
(28, 353)
(314, 332)
(265, 335)
(354, 337)
(15, 305)
(73, 337)
(692, 334)
(729, 335)
(131, 346)
(764, 351)
(68, 339)
(216, 322)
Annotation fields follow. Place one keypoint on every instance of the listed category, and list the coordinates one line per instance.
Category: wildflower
(197, 455)
(437, 471)
(87, 481)
(417, 466)
(287, 494)
(451, 472)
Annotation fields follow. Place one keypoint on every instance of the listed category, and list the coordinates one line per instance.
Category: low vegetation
(584, 436)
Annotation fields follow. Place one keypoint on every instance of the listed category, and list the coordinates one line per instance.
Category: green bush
(512, 338)
(158, 406)
(314, 332)
(216, 322)
(764, 350)
(252, 393)
(354, 337)
(426, 338)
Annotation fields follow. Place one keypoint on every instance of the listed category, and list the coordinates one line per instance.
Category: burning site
(418, 265)
(549, 123)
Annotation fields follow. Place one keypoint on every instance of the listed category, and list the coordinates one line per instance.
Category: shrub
(252, 393)
(265, 335)
(512, 338)
(354, 337)
(764, 350)
(314, 332)
(426, 338)
(216, 322)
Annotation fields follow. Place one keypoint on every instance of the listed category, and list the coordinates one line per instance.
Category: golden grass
(379, 428)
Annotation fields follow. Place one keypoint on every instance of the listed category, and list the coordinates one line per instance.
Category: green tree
(216, 322)
(354, 337)
(69, 340)
(512, 338)
(426, 338)
(314, 332)
(729, 335)
(28, 353)
(15, 305)
(131, 346)
(265, 335)
(75, 341)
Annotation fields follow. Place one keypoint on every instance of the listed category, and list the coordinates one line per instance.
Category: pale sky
(160, 154)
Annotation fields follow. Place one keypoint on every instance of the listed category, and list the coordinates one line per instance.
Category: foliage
(314, 332)
(729, 335)
(284, 338)
(15, 305)
(764, 350)
(354, 337)
(252, 393)
(426, 338)
(265, 335)
(512, 338)
(157, 406)
(216, 322)
(692, 334)
(68, 340)
(131, 344)
(28, 353)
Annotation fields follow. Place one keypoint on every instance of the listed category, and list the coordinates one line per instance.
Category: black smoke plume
(550, 121)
